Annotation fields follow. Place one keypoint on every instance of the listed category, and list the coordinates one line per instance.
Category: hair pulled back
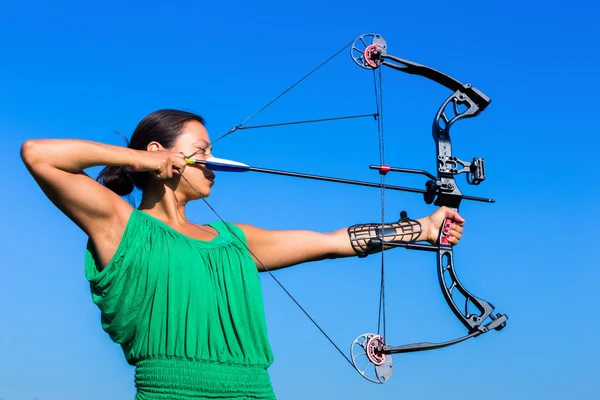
(162, 126)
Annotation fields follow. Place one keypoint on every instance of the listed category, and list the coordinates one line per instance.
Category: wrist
(136, 159)
(425, 231)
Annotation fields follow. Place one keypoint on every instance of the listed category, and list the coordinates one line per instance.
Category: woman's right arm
(57, 165)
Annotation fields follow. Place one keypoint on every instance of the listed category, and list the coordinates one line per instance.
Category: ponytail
(117, 179)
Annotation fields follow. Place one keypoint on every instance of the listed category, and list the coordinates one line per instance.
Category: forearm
(363, 239)
(339, 244)
(72, 155)
(370, 238)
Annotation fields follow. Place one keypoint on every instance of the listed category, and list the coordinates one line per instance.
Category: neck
(161, 201)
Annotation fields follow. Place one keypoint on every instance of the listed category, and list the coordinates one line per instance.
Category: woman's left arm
(285, 248)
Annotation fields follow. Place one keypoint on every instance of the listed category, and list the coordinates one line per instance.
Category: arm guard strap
(369, 238)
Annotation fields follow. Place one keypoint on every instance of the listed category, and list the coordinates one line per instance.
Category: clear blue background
(76, 70)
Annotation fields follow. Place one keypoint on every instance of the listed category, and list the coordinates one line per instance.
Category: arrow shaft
(332, 179)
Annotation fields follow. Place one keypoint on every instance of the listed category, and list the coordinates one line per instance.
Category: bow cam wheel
(368, 360)
(367, 49)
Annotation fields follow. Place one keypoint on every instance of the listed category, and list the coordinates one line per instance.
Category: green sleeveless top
(188, 314)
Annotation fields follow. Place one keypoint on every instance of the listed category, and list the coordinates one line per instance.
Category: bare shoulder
(247, 228)
(254, 233)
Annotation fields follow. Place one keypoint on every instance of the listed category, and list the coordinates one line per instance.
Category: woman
(184, 300)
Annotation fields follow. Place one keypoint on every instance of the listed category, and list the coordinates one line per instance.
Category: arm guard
(368, 238)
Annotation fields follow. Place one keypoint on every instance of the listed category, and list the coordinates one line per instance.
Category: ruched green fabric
(188, 314)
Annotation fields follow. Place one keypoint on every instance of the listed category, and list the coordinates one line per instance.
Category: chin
(199, 190)
(205, 192)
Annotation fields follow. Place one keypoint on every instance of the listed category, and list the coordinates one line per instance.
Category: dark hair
(162, 126)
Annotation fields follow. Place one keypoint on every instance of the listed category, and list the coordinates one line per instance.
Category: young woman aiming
(182, 299)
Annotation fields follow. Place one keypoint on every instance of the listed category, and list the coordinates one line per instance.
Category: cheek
(195, 173)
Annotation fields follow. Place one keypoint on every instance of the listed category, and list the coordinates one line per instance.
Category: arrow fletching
(220, 164)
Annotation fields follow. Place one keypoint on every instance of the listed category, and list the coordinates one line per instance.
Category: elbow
(30, 152)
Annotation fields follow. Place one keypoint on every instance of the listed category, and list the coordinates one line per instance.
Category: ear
(154, 146)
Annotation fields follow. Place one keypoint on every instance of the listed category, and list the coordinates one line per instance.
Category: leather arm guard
(368, 238)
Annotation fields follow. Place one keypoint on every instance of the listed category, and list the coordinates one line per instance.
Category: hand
(164, 164)
(452, 229)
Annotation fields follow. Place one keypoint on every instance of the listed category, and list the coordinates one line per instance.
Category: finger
(445, 231)
(163, 175)
(452, 227)
(159, 173)
(445, 235)
(455, 234)
(454, 216)
(169, 169)
(177, 169)
(452, 240)
(179, 164)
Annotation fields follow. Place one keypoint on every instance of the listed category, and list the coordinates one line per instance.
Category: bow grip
(443, 239)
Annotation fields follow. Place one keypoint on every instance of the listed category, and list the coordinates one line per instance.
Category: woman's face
(195, 143)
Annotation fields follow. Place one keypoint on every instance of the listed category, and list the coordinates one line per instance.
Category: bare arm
(285, 248)
(279, 249)
(58, 165)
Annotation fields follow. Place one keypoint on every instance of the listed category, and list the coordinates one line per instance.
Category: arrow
(222, 164)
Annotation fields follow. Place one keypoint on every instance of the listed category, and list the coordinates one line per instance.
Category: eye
(199, 151)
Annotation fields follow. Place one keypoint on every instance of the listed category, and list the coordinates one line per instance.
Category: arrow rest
(431, 188)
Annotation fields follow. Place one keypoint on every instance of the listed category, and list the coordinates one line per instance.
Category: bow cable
(377, 84)
(238, 127)
(307, 121)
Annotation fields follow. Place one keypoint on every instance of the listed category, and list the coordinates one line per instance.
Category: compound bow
(369, 51)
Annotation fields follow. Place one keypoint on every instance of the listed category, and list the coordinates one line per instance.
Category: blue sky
(70, 69)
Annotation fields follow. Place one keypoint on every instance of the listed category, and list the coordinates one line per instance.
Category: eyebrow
(202, 141)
